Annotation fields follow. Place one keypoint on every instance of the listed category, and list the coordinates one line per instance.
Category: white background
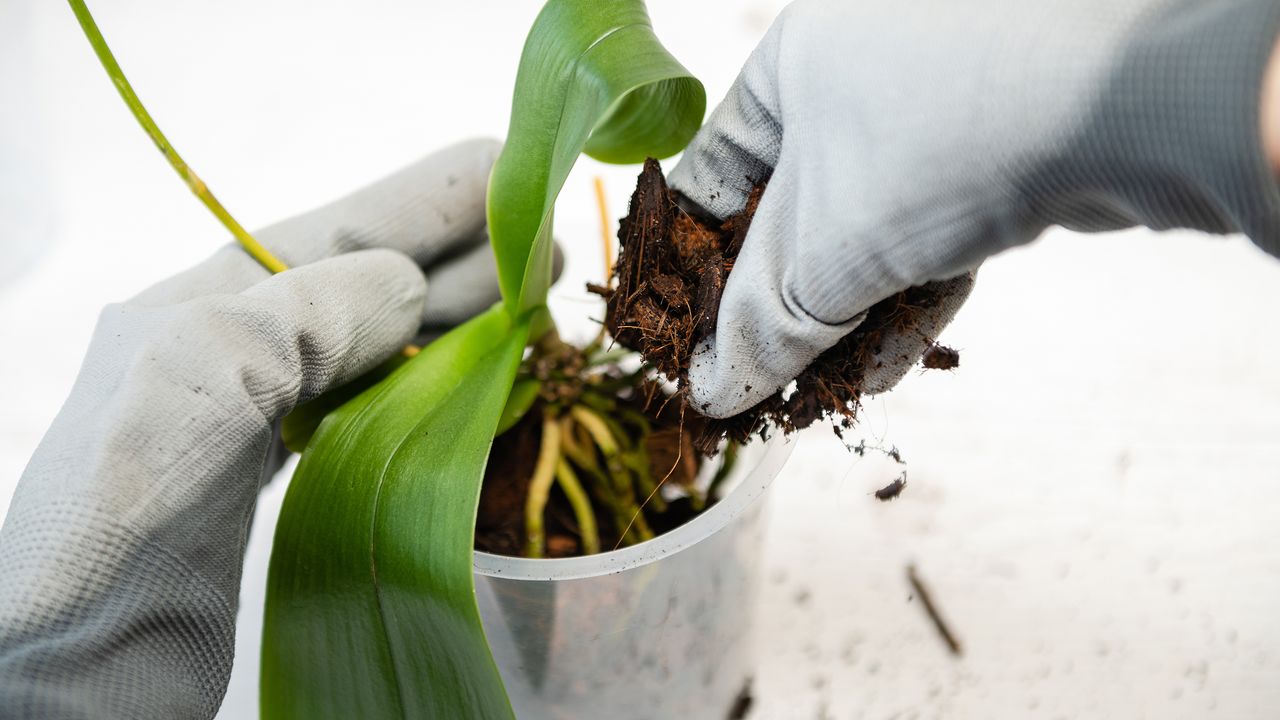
(1094, 496)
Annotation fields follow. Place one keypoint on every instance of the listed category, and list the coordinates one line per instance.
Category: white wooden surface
(1093, 496)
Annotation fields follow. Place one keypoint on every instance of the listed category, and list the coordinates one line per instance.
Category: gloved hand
(907, 140)
(120, 558)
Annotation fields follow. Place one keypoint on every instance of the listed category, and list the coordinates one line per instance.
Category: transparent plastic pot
(654, 631)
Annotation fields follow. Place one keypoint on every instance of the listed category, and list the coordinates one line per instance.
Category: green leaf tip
(593, 77)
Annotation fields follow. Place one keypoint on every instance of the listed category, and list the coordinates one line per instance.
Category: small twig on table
(741, 706)
(927, 601)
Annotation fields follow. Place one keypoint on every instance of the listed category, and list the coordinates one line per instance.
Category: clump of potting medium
(940, 357)
(599, 460)
(670, 276)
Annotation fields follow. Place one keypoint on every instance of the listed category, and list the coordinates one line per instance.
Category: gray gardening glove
(121, 554)
(907, 140)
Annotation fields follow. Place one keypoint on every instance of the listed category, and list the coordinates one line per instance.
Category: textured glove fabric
(433, 211)
(907, 140)
(120, 557)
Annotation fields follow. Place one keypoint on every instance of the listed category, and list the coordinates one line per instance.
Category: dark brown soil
(500, 526)
(670, 275)
(500, 521)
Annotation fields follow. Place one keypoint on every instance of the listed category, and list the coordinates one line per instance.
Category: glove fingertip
(719, 391)
(354, 310)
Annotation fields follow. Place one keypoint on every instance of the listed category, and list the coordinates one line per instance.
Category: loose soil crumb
(893, 489)
(940, 357)
(670, 276)
(741, 706)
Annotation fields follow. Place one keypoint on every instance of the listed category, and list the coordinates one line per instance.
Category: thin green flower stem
(193, 181)
(581, 507)
(535, 504)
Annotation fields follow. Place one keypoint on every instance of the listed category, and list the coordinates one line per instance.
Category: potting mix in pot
(605, 457)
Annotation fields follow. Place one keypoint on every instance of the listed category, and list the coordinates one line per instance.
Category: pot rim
(768, 464)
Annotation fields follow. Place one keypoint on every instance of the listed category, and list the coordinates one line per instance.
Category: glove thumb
(738, 147)
(765, 334)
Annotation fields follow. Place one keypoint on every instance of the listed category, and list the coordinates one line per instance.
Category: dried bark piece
(671, 289)
(706, 309)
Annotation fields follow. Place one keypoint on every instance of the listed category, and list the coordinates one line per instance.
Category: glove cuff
(99, 622)
(1175, 140)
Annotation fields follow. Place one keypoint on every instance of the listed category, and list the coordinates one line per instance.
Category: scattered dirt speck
(741, 706)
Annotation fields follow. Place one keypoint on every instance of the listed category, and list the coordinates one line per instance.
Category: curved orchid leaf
(371, 606)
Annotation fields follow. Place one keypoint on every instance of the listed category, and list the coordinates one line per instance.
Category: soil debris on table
(670, 276)
(893, 489)
(741, 706)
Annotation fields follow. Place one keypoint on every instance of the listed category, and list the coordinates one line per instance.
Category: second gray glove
(906, 141)
(120, 557)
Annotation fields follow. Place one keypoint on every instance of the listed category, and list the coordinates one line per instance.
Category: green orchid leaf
(523, 395)
(592, 77)
(371, 606)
